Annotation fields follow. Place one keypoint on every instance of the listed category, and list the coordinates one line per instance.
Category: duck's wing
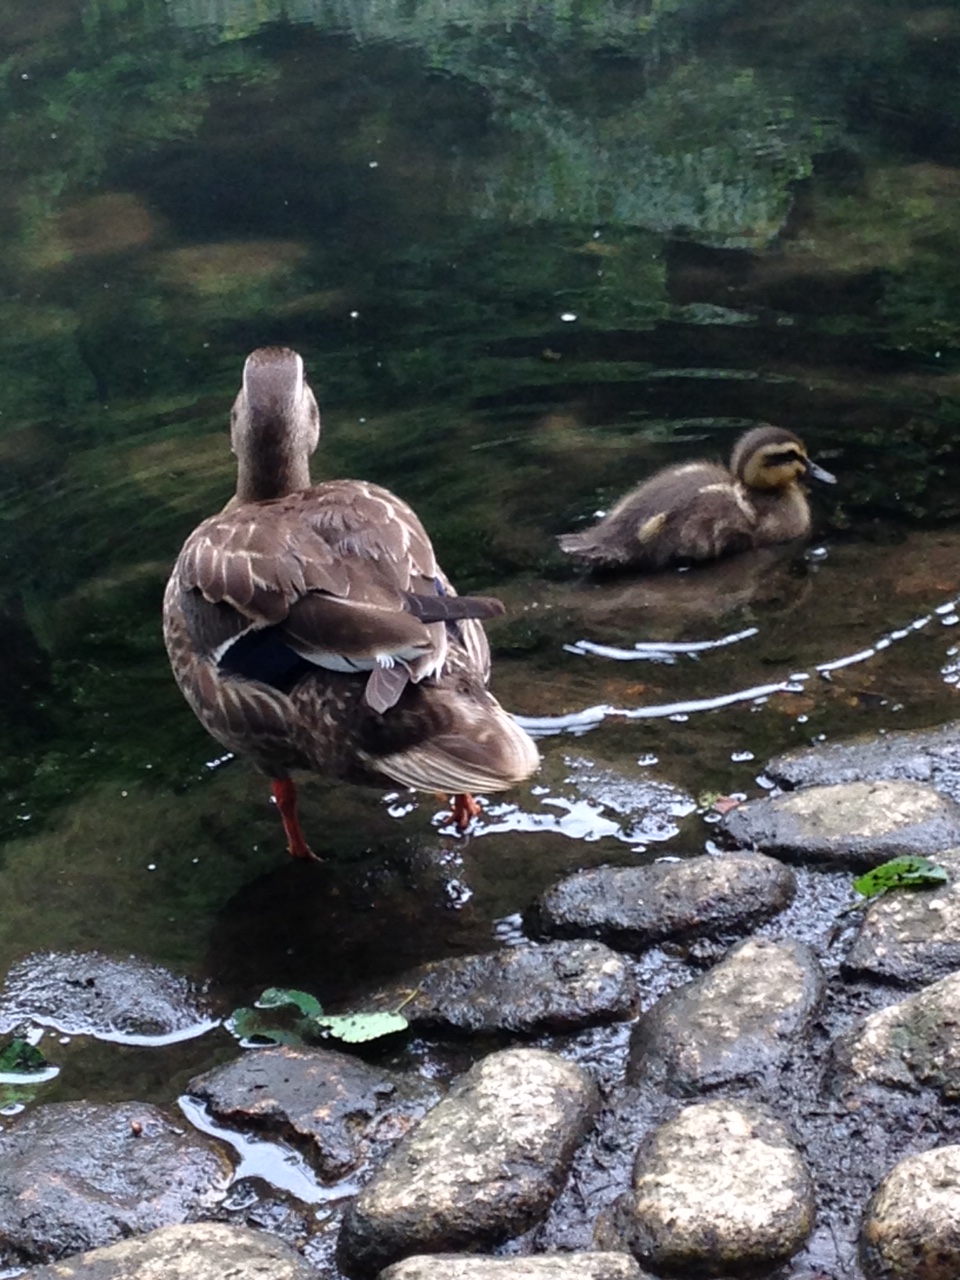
(342, 576)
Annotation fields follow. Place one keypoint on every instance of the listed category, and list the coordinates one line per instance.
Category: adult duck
(310, 626)
(702, 510)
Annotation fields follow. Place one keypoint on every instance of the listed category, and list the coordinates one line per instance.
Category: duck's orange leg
(465, 809)
(285, 795)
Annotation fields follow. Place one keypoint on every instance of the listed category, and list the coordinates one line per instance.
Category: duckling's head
(274, 425)
(774, 458)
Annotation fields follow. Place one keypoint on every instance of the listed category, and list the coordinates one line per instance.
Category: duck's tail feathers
(450, 608)
(491, 753)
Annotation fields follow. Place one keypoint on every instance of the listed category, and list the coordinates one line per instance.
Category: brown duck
(310, 626)
(701, 510)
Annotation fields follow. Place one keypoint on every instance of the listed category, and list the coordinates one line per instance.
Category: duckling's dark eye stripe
(780, 459)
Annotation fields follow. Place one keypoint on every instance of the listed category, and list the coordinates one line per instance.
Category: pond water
(529, 253)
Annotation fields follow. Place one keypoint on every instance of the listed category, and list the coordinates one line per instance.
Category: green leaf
(19, 1057)
(356, 1028)
(278, 997)
(248, 1025)
(900, 873)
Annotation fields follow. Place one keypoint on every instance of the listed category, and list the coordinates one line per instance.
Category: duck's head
(774, 458)
(274, 425)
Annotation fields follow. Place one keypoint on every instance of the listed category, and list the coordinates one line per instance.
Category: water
(529, 253)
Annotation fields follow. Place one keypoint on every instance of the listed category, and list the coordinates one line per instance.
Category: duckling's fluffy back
(692, 512)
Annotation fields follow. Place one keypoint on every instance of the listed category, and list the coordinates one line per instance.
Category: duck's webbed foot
(465, 809)
(285, 794)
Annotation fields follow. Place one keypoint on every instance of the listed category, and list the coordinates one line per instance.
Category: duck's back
(688, 513)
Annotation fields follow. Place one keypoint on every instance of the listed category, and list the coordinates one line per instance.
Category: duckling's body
(310, 626)
(702, 511)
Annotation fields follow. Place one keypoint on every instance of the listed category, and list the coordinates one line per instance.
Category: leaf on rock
(278, 997)
(908, 872)
(356, 1028)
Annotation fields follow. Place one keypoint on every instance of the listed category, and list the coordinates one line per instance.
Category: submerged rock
(911, 936)
(483, 1166)
(854, 824)
(85, 993)
(734, 1023)
(718, 1190)
(908, 1045)
(202, 1251)
(635, 907)
(557, 987)
(550, 1266)
(345, 1111)
(78, 1175)
(911, 1230)
(917, 755)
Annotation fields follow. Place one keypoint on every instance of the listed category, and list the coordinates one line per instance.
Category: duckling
(311, 627)
(701, 511)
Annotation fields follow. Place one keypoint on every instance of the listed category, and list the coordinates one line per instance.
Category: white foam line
(123, 1037)
(654, 651)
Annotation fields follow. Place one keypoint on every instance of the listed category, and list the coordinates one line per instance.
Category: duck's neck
(271, 473)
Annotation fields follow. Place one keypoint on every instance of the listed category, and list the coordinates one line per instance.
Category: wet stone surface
(911, 1230)
(917, 755)
(200, 1251)
(853, 824)
(719, 1189)
(908, 1045)
(559, 1266)
(88, 993)
(344, 1112)
(633, 908)
(556, 987)
(910, 936)
(734, 1023)
(483, 1166)
(75, 1176)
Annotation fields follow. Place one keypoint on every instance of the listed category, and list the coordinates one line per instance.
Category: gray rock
(734, 1023)
(203, 1251)
(911, 1230)
(911, 936)
(551, 1266)
(343, 1111)
(90, 994)
(78, 1175)
(907, 1045)
(718, 1190)
(484, 1165)
(917, 755)
(854, 824)
(635, 907)
(557, 987)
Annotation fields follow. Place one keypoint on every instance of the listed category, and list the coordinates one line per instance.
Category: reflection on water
(530, 254)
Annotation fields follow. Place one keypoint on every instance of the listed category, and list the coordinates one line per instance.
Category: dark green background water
(528, 252)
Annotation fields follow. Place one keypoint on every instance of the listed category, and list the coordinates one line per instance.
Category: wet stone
(911, 1230)
(343, 1111)
(91, 994)
(719, 1190)
(201, 1251)
(908, 1045)
(910, 936)
(78, 1175)
(483, 1166)
(557, 1266)
(853, 824)
(734, 1023)
(557, 987)
(636, 907)
(917, 755)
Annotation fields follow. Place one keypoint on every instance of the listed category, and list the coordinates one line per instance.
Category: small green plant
(19, 1057)
(308, 1021)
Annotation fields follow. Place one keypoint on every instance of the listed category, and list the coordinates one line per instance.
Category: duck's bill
(816, 472)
